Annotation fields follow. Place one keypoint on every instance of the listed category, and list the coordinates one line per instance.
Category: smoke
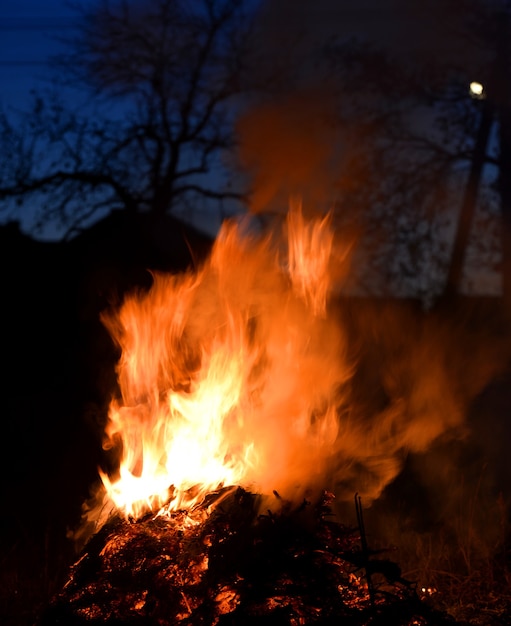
(407, 425)
(288, 147)
(307, 129)
(418, 373)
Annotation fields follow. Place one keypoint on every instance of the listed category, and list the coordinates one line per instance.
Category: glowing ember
(237, 566)
(228, 376)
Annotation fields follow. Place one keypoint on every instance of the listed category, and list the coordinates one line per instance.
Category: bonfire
(231, 437)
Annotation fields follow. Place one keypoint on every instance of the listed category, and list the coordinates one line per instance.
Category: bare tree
(161, 79)
(430, 169)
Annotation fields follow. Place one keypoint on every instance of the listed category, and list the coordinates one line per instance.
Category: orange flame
(310, 249)
(230, 375)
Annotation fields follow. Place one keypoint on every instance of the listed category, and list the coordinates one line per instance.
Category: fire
(229, 375)
(310, 247)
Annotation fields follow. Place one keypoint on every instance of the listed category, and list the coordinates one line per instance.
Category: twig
(365, 549)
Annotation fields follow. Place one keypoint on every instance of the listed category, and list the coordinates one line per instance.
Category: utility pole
(496, 107)
(469, 201)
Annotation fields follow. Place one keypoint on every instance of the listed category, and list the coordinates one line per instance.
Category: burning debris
(224, 563)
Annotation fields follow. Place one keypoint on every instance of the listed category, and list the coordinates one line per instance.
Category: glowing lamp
(477, 90)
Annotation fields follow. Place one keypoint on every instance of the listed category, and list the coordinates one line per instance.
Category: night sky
(29, 29)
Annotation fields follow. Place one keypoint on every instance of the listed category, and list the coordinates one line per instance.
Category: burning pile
(233, 566)
(235, 375)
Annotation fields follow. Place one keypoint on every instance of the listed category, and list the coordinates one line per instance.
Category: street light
(476, 90)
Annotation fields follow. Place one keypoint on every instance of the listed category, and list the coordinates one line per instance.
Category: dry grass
(461, 571)
(477, 592)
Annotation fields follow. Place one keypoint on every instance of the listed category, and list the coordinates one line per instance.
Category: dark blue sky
(29, 34)
(28, 29)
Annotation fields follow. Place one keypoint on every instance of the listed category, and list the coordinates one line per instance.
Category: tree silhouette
(160, 78)
(415, 165)
(431, 175)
